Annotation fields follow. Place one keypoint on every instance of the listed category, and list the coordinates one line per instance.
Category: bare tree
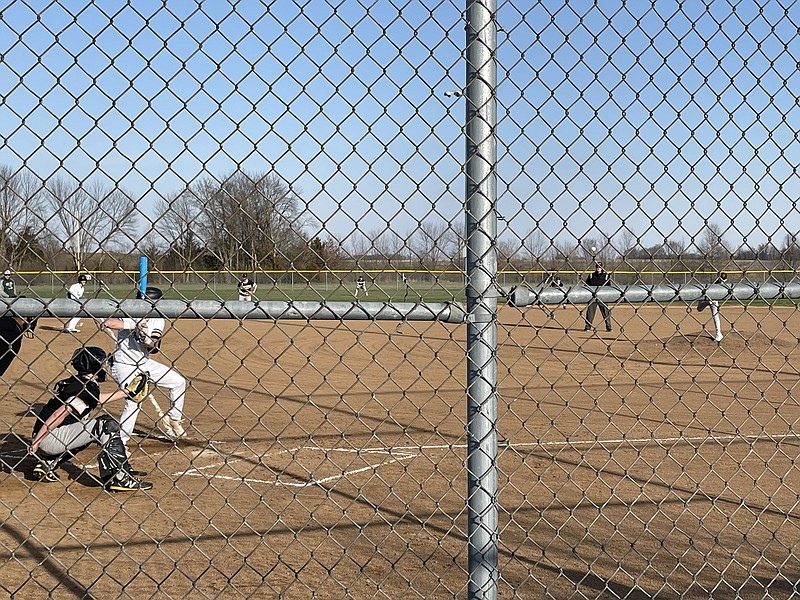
(535, 245)
(676, 246)
(712, 242)
(251, 220)
(626, 243)
(507, 251)
(387, 244)
(96, 217)
(177, 229)
(20, 207)
(358, 245)
(429, 242)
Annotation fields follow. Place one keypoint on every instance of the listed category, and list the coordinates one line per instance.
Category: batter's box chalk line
(384, 457)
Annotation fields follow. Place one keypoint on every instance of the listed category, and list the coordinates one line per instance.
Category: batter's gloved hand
(139, 387)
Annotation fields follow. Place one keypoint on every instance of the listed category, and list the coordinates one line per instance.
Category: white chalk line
(394, 456)
(406, 453)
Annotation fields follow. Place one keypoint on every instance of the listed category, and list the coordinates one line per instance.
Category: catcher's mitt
(139, 387)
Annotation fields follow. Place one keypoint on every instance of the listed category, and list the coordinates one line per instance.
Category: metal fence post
(481, 292)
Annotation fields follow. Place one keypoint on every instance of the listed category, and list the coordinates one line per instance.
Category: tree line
(256, 221)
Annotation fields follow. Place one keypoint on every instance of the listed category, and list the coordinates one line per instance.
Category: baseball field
(327, 460)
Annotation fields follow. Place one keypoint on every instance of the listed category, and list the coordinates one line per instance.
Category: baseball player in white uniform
(75, 292)
(722, 279)
(137, 341)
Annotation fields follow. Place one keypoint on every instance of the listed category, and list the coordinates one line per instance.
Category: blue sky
(651, 116)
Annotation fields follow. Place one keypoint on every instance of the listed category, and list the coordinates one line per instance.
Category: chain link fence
(488, 414)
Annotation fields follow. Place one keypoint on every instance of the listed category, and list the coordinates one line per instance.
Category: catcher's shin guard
(112, 459)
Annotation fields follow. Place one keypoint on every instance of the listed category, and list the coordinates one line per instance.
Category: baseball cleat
(177, 428)
(123, 482)
(703, 303)
(166, 428)
(172, 428)
(44, 471)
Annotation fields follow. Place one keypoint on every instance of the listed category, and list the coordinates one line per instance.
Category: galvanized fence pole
(481, 292)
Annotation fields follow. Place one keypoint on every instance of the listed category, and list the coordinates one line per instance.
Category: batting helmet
(151, 293)
(90, 360)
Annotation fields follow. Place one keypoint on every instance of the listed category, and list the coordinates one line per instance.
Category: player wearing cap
(75, 292)
(722, 279)
(361, 286)
(8, 289)
(598, 278)
(247, 289)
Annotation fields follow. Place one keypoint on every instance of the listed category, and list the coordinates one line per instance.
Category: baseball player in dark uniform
(247, 289)
(8, 289)
(66, 426)
(598, 278)
(12, 329)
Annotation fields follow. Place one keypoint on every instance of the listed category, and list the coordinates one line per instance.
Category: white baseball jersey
(131, 356)
(75, 291)
(132, 341)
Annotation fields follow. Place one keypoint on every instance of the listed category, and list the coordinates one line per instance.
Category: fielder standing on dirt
(599, 277)
(137, 341)
(722, 279)
(65, 425)
(75, 292)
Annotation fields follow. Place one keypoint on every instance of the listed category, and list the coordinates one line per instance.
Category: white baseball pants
(163, 377)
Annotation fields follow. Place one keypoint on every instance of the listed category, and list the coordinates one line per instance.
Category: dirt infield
(327, 460)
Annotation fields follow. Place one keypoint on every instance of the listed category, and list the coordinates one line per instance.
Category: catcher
(136, 341)
(65, 426)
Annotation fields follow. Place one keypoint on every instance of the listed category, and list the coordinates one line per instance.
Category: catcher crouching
(65, 426)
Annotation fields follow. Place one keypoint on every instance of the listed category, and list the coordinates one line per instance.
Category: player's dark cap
(83, 277)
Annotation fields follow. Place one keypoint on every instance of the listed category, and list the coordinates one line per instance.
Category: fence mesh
(317, 150)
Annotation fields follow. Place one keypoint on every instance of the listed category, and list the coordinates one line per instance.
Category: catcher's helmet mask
(90, 360)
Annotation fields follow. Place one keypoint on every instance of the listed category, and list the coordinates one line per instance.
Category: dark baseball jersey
(82, 395)
(246, 287)
(601, 278)
(9, 287)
